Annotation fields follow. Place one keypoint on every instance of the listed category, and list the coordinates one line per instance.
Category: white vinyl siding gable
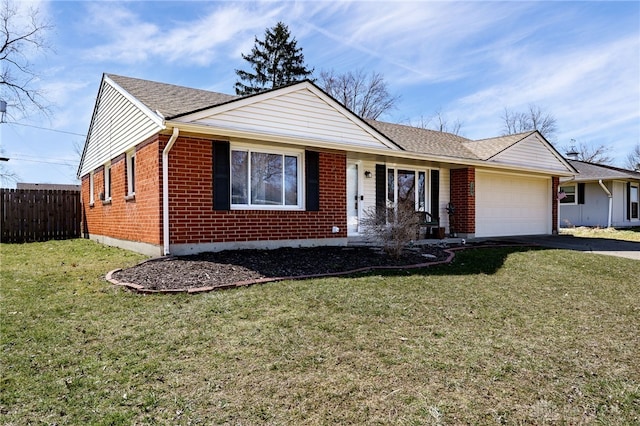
(299, 114)
(530, 153)
(119, 123)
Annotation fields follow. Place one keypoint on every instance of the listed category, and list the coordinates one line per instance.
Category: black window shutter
(221, 176)
(581, 193)
(435, 193)
(628, 200)
(312, 175)
(381, 189)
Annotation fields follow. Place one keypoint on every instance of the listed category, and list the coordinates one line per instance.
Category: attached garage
(511, 204)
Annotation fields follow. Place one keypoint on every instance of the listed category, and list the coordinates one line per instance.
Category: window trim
(417, 170)
(265, 149)
(575, 194)
(131, 173)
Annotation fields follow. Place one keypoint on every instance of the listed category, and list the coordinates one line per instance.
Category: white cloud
(129, 38)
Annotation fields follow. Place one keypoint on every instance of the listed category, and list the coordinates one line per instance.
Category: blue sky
(579, 61)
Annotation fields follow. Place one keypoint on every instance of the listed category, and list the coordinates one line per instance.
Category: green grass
(626, 234)
(502, 336)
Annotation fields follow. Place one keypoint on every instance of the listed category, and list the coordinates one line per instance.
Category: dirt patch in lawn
(210, 271)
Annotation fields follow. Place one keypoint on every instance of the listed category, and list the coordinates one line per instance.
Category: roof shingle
(487, 148)
(592, 172)
(172, 101)
(168, 99)
(425, 141)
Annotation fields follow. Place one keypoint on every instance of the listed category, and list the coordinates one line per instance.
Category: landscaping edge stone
(142, 290)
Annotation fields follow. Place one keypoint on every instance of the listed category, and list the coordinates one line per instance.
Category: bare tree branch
(365, 95)
(532, 119)
(21, 35)
(589, 153)
(7, 176)
(633, 158)
(438, 121)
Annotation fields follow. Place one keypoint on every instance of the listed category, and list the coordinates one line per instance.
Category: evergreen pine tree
(276, 62)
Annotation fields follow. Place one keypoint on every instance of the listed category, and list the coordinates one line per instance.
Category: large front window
(407, 186)
(262, 179)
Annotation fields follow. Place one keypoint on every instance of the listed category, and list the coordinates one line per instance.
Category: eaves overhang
(230, 133)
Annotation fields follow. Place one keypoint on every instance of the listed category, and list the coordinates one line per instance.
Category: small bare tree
(6, 176)
(21, 34)
(441, 123)
(393, 228)
(588, 153)
(633, 158)
(365, 95)
(532, 119)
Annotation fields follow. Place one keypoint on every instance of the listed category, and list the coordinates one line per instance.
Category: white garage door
(512, 205)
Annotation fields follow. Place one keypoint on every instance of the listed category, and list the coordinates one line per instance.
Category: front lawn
(504, 335)
(625, 234)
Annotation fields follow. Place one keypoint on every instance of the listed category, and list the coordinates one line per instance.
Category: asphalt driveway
(628, 249)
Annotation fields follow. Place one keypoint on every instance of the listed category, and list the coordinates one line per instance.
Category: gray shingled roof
(170, 100)
(592, 172)
(425, 141)
(487, 148)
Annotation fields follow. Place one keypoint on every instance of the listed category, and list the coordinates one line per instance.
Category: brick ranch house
(174, 170)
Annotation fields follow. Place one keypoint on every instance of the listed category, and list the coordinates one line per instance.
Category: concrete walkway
(627, 249)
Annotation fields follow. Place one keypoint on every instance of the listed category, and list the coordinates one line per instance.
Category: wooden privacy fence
(39, 215)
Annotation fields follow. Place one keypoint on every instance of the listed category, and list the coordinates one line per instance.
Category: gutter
(468, 162)
(165, 189)
(606, 190)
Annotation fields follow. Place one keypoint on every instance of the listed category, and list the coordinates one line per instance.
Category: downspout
(165, 189)
(606, 190)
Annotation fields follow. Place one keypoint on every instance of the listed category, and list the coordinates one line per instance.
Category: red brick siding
(134, 220)
(463, 182)
(555, 183)
(193, 220)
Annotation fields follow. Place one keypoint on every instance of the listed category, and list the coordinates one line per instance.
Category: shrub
(393, 227)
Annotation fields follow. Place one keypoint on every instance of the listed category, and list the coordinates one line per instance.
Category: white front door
(353, 199)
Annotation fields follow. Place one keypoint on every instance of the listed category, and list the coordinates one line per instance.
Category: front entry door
(353, 199)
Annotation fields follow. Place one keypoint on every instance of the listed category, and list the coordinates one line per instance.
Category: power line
(46, 128)
(19, 155)
(68, 164)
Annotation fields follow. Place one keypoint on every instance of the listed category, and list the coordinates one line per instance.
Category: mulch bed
(233, 268)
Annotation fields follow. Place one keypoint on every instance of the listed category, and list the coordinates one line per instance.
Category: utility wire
(45, 162)
(46, 128)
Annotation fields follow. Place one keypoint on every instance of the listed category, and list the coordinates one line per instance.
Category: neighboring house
(169, 169)
(600, 195)
(48, 186)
